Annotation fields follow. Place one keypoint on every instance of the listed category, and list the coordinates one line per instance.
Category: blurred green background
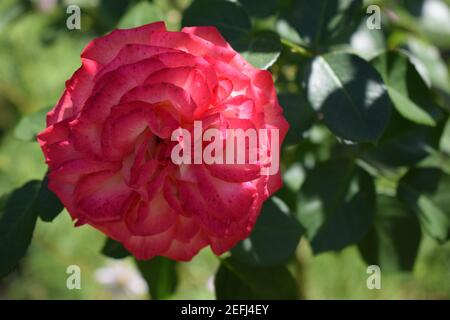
(38, 53)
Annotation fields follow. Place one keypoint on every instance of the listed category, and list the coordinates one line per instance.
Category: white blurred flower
(121, 278)
(210, 284)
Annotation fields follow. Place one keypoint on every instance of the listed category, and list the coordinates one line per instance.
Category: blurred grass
(343, 275)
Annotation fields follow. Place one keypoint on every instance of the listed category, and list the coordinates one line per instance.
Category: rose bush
(108, 140)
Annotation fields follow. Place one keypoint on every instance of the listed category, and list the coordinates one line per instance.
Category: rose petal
(182, 251)
(78, 89)
(190, 79)
(102, 196)
(122, 128)
(105, 48)
(132, 53)
(150, 218)
(208, 33)
(179, 102)
(145, 248)
(192, 44)
(113, 85)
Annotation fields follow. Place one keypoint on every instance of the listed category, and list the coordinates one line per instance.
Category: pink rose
(108, 140)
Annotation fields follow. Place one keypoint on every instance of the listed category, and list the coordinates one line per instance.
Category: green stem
(296, 48)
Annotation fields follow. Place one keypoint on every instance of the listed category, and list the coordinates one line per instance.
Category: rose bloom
(108, 140)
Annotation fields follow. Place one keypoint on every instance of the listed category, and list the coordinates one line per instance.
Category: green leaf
(261, 49)
(367, 43)
(273, 239)
(47, 204)
(298, 113)
(405, 143)
(139, 14)
(17, 225)
(236, 280)
(288, 196)
(430, 59)
(336, 205)
(393, 241)
(160, 275)
(110, 12)
(318, 199)
(229, 17)
(3, 201)
(260, 9)
(408, 91)
(426, 191)
(114, 249)
(322, 23)
(409, 109)
(444, 142)
(350, 96)
(29, 126)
